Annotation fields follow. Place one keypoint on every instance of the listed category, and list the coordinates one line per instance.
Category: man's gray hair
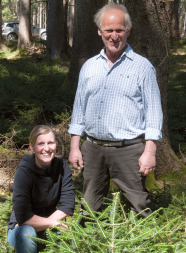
(99, 15)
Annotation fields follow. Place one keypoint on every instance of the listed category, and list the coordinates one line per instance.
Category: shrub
(115, 231)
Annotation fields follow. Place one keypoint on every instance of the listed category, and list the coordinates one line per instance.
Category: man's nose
(114, 35)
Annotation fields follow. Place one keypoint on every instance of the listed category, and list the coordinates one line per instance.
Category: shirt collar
(129, 53)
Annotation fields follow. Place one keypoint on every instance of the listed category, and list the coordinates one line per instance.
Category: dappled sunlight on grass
(33, 90)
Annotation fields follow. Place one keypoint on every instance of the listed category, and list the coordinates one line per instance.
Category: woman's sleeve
(67, 197)
(21, 195)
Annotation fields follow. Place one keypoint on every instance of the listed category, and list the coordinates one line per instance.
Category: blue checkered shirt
(122, 102)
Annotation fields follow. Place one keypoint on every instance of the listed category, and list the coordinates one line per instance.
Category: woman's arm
(67, 195)
(58, 215)
(40, 223)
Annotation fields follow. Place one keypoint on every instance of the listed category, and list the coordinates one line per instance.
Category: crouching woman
(43, 191)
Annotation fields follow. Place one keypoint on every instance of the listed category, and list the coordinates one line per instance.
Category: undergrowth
(5, 211)
(176, 98)
(33, 91)
(113, 230)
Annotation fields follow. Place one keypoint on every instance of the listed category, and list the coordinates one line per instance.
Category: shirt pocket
(130, 85)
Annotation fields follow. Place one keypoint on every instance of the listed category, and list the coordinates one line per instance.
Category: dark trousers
(121, 164)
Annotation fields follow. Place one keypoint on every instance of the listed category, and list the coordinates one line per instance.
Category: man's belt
(122, 143)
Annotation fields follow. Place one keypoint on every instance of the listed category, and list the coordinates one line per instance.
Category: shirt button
(99, 117)
(101, 101)
(105, 87)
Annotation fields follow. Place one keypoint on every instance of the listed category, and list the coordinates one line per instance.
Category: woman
(42, 182)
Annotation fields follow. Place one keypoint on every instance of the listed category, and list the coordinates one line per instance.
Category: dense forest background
(38, 80)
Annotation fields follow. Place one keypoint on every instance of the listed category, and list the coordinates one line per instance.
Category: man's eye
(119, 31)
(109, 31)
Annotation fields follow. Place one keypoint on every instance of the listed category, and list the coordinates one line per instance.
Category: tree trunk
(40, 14)
(182, 18)
(150, 37)
(65, 7)
(71, 21)
(55, 28)
(172, 9)
(24, 38)
(85, 37)
(2, 46)
(34, 14)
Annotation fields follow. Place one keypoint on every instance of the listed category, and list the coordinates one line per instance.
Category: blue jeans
(22, 243)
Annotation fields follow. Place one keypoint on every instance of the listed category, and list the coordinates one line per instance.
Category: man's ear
(128, 33)
(99, 32)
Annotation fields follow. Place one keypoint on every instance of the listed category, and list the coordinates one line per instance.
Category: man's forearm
(150, 147)
(75, 141)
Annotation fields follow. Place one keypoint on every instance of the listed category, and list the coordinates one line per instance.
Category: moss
(6, 152)
(151, 182)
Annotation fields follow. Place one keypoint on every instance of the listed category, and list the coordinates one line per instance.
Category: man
(118, 106)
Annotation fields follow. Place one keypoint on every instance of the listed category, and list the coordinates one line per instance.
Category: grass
(33, 91)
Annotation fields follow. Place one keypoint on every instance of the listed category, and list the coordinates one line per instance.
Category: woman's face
(44, 149)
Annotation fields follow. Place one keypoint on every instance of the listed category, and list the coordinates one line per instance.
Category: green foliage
(177, 180)
(5, 211)
(176, 98)
(32, 92)
(9, 11)
(113, 230)
(151, 182)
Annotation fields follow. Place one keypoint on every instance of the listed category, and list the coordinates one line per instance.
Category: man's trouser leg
(122, 166)
(96, 174)
(124, 171)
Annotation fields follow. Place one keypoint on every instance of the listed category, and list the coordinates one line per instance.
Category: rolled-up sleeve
(77, 125)
(152, 106)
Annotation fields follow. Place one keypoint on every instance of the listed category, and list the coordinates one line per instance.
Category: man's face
(113, 33)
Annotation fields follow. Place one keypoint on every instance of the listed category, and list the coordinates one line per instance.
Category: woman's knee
(24, 230)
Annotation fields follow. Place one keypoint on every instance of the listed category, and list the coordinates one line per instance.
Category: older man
(118, 106)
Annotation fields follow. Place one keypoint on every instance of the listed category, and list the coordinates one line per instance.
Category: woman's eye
(40, 144)
(50, 143)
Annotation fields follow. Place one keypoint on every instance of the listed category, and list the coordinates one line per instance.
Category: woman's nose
(46, 147)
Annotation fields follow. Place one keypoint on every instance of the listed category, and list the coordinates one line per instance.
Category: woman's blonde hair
(99, 15)
(38, 130)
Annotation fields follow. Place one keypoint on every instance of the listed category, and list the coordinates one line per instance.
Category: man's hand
(75, 156)
(76, 159)
(147, 161)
